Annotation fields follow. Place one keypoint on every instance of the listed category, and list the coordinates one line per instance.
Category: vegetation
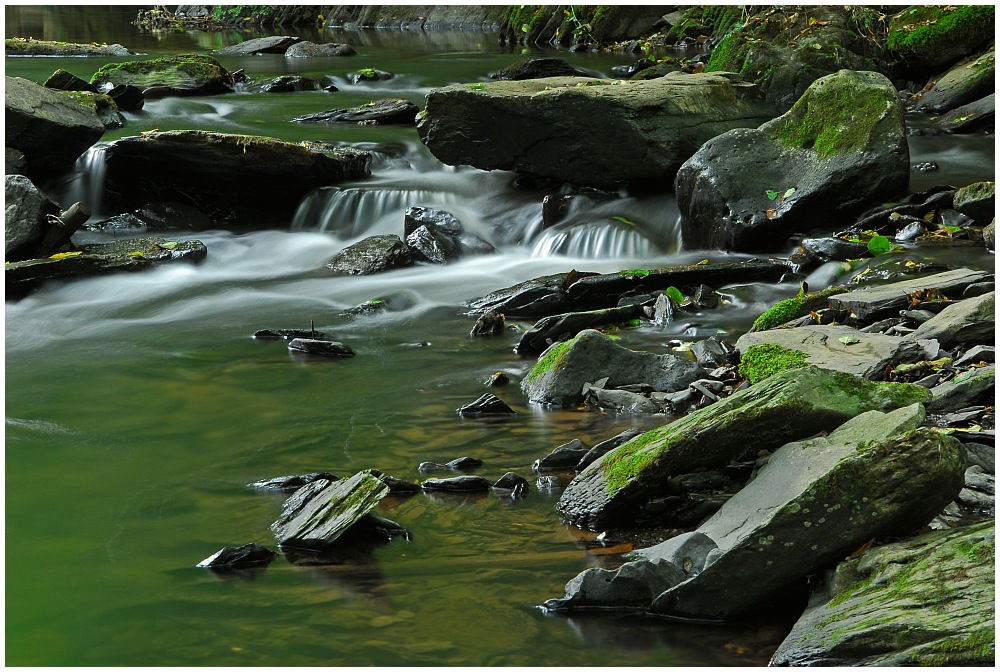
(928, 28)
(795, 307)
(763, 360)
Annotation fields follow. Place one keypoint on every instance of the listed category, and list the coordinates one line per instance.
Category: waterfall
(352, 212)
(84, 183)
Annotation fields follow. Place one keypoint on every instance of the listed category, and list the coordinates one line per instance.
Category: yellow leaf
(63, 255)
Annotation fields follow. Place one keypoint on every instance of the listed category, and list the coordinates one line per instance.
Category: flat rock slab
(585, 131)
(385, 111)
(275, 44)
(969, 321)
(840, 348)
(320, 512)
(815, 502)
(321, 348)
(374, 254)
(870, 303)
(787, 406)
(19, 46)
(870, 619)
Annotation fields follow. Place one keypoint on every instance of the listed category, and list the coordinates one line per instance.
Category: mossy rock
(934, 36)
(978, 201)
(658, 70)
(925, 601)
(794, 308)
(19, 46)
(185, 74)
(786, 407)
(105, 106)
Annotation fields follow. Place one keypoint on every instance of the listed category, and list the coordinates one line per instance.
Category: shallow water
(138, 407)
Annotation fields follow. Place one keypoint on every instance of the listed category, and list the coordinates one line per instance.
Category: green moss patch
(182, 70)
(795, 307)
(766, 359)
(550, 359)
(927, 28)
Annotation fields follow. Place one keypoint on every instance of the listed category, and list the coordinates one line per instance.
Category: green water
(138, 408)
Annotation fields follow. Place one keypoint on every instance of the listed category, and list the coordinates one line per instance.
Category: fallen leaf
(849, 340)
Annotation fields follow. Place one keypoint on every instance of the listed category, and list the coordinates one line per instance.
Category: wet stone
(551, 483)
(313, 346)
(488, 404)
(464, 463)
(397, 486)
(498, 379)
(291, 483)
(286, 334)
(248, 555)
(565, 457)
(517, 485)
(457, 484)
(488, 324)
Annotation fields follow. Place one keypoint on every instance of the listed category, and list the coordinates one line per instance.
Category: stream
(138, 407)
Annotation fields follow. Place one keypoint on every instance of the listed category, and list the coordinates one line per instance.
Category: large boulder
(559, 375)
(977, 200)
(962, 84)
(935, 36)
(970, 321)
(26, 212)
(49, 128)
(867, 616)
(588, 132)
(181, 75)
(786, 49)
(257, 179)
(815, 502)
(839, 348)
(841, 148)
(880, 301)
(274, 44)
(63, 80)
(537, 68)
(306, 49)
(374, 254)
(788, 406)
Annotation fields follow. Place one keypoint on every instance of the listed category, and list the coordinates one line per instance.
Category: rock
(981, 455)
(374, 254)
(545, 127)
(786, 50)
(489, 324)
(975, 386)
(977, 201)
(869, 618)
(517, 485)
(962, 84)
(248, 555)
(128, 98)
(978, 353)
(19, 46)
(488, 404)
(67, 81)
(535, 68)
(633, 586)
(306, 49)
(457, 484)
(397, 486)
(275, 44)
(627, 71)
(49, 128)
(551, 484)
(556, 328)
(157, 216)
(935, 36)
(872, 303)
(563, 458)
(287, 334)
(122, 255)
(385, 111)
(749, 187)
(817, 501)
(989, 235)
(289, 84)
(498, 379)
(26, 212)
(103, 105)
(658, 70)
(712, 352)
(622, 401)
(972, 117)
(369, 75)
(428, 467)
(182, 75)
(532, 298)
(786, 407)
(558, 377)
(315, 346)
(230, 171)
(464, 463)
(834, 249)
(320, 512)
(605, 446)
(193, 11)
(840, 348)
(971, 321)
(444, 238)
(292, 483)
(14, 161)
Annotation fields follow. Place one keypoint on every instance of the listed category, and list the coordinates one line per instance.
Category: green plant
(634, 273)
(675, 294)
(580, 29)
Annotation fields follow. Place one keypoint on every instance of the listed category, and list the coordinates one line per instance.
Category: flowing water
(138, 407)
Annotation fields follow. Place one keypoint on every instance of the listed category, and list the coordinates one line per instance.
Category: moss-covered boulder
(786, 407)
(962, 84)
(977, 200)
(794, 308)
(51, 129)
(182, 75)
(785, 49)
(934, 36)
(584, 131)
(926, 601)
(105, 107)
(839, 150)
(20, 46)
(558, 377)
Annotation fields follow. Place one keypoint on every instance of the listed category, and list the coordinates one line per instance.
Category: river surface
(138, 407)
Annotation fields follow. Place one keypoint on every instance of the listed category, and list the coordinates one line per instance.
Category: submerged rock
(315, 346)
(546, 127)
(292, 483)
(248, 555)
(457, 484)
(289, 84)
(559, 376)
(747, 188)
(786, 407)
(868, 617)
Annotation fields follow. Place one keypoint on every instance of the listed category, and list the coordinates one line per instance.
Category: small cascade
(353, 212)
(85, 183)
(596, 240)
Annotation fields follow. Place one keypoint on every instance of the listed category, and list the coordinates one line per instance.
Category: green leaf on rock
(635, 273)
(789, 192)
(771, 194)
(849, 340)
(675, 294)
(879, 245)
(623, 221)
(476, 87)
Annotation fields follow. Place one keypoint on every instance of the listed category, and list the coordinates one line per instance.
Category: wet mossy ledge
(27, 46)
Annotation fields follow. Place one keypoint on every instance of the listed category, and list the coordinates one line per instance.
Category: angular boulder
(841, 148)
(67, 81)
(181, 75)
(788, 406)
(306, 49)
(962, 84)
(815, 502)
(869, 619)
(26, 211)
(557, 379)
(48, 127)
(840, 348)
(548, 127)
(274, 44)
(320, 512)
(978, 201)
(374, 254)
(969, 321)
(876, 302)
(438, 237)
